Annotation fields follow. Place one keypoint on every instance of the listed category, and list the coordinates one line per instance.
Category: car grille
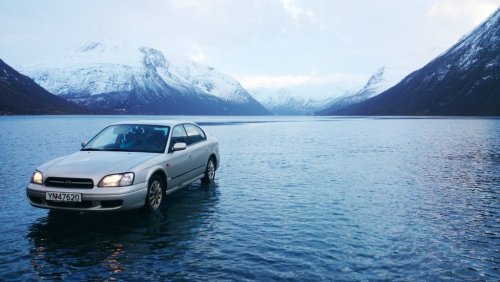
(81, 205)
(62, 182)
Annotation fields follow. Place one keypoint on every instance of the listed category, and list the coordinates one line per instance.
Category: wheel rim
(155, 194)
(211, 170)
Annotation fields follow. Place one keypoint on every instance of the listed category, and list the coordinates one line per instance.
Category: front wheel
(156, 193)
(209, 171)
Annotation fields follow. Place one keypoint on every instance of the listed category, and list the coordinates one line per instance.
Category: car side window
(178, 135)
(194, 134)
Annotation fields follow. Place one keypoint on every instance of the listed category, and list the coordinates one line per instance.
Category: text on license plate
(63, 197)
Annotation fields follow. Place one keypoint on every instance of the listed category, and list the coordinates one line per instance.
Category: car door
(181, 163)
(198, 145)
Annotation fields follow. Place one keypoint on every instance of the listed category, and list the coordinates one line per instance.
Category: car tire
(209, 171)
(156, 193)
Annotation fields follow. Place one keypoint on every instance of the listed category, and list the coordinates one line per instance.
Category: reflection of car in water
(127, 165)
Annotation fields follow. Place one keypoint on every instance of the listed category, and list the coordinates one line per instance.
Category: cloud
(474, 11)
(198, 58)
(276, 81)
(297, 12)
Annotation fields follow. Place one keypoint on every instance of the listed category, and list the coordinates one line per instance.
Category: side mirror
(179, 146)
(83, 143)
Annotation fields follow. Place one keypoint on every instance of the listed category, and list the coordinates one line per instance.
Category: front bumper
(95, 199)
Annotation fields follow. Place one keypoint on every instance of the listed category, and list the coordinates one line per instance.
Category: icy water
(304, 198)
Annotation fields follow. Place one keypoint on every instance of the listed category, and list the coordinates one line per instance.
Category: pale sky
(261, 43)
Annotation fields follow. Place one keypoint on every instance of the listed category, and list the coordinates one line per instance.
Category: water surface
(300, 198)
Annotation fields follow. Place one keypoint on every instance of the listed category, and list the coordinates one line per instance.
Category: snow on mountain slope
(183, 74)
(144, 74)
(297, 100)
(21, 95)
(300, 100)
(462, 81)
(376, 84)
(85, 80)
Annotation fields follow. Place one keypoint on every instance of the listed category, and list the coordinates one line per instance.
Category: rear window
(194, 134)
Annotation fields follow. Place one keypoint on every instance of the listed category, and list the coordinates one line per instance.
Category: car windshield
(130, 138)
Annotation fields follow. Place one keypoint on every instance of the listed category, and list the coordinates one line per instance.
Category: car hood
(94, 164)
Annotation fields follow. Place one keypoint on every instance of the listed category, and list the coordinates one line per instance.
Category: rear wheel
(209, 171)
(156, 193)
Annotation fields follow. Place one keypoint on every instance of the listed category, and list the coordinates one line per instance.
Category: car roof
(162, 122)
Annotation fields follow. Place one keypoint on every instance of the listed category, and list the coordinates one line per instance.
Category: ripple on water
(309, 199)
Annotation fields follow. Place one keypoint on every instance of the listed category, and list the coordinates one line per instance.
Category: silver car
(128, 165)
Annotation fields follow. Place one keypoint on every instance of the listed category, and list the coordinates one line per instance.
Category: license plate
(63, 197)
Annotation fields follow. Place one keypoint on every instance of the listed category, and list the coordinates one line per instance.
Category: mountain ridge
(141, 80)
(462, 81)
(288, 101)
(374, 86)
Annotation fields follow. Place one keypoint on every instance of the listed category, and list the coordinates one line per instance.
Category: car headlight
(37, 178)
(117, 180)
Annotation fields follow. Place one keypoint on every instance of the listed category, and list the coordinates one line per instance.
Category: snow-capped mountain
(376, 84)
(19, 94)
(116, 78)
(295, 100)
(464, 80)
(317, 99)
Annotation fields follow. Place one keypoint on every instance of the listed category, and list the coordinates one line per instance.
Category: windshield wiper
(117, 149)
(91, 149)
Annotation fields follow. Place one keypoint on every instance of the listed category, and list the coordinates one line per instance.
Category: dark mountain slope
(463, 81)
(21, 95)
